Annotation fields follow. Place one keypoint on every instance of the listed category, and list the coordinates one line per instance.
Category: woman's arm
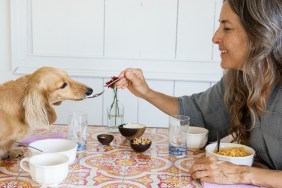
(165, 103)
(134, 80)
(263, 177)
(209, 169)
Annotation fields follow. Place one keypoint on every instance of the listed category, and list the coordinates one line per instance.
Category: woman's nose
(216, 37)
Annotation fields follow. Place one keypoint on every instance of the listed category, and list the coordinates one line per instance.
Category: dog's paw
(13, 154)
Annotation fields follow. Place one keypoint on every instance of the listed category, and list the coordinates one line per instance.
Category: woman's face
(231, 38)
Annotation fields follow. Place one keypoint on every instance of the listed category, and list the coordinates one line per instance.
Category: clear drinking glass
(177, 134)
(77, 129)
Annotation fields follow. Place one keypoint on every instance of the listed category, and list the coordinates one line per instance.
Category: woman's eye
(64, 85)
(226, 29)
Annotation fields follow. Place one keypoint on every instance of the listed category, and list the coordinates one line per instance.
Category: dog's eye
(64, 85)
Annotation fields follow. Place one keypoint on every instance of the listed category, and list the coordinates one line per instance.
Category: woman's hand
(209, 169)
(134, 80)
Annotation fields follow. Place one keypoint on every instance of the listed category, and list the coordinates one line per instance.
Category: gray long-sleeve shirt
(207, 110)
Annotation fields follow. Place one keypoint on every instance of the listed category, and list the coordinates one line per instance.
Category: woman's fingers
(200, 174)
(209, 169)
(204, 163)
(134, 81)
(134, 78)
(124, 78)
(122, 83)
(134, 74)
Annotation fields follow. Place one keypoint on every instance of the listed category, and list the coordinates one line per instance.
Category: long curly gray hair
(246, 88)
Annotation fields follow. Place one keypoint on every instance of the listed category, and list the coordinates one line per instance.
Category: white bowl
(247, 160)
(197, 138)
(64, 146)
(47, 169)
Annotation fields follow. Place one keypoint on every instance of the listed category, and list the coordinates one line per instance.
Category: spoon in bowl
(22, 144)
(218, 142)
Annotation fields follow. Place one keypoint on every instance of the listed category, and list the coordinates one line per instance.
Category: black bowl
(131, 131)
(105, 139)
(140, 147)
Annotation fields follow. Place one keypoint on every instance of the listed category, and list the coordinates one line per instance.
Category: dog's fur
(26, 103)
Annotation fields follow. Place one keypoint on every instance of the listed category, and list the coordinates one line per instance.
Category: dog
(27, 103)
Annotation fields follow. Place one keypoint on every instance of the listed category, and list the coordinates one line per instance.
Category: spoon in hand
(95, 95)
(107, 85)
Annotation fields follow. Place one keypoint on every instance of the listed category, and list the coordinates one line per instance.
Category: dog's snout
(88, 91)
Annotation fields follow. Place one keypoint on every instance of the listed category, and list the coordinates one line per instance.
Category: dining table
(112, 166)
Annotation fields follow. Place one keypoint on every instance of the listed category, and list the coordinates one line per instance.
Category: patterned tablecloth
(115, 166)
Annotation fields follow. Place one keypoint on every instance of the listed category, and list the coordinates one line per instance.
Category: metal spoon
(98, 94)
(116, 80)
(21, 144)
(111, 83)
(107, 85)
(95, 95)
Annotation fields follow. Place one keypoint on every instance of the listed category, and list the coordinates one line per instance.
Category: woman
(246, 102)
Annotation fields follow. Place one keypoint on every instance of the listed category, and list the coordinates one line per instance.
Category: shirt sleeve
(207, 109)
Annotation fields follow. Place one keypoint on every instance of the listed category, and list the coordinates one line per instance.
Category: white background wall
(5, 51)
(199, 72)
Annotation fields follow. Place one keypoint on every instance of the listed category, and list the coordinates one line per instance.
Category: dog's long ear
(38, 111)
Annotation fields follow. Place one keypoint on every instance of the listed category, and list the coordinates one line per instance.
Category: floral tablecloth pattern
(114, 166)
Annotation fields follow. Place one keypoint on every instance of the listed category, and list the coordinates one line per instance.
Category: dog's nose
(88, 91)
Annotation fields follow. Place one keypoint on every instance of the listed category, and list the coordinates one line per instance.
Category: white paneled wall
(196, 29)
(189, 88)
(171, 40)
(150, 115)
(68, 26)
(151, 22)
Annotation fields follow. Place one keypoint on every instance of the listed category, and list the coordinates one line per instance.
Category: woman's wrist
(149, 95)
(246, 175)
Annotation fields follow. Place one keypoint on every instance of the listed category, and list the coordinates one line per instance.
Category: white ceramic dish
(47, 169)
(197, 138)
(63, 146)
(247, 160)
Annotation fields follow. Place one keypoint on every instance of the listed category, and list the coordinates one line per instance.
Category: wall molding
(103, 67)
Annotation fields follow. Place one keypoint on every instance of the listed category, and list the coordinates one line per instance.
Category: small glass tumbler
(177, 135)
(77, 129)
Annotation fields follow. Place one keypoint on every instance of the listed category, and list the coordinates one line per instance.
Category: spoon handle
(21, 144)
(218, 141)
(112, 82)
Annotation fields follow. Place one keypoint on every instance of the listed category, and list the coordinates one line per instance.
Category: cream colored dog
(26, 103)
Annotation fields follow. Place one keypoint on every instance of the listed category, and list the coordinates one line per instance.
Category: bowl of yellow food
(235, 153)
